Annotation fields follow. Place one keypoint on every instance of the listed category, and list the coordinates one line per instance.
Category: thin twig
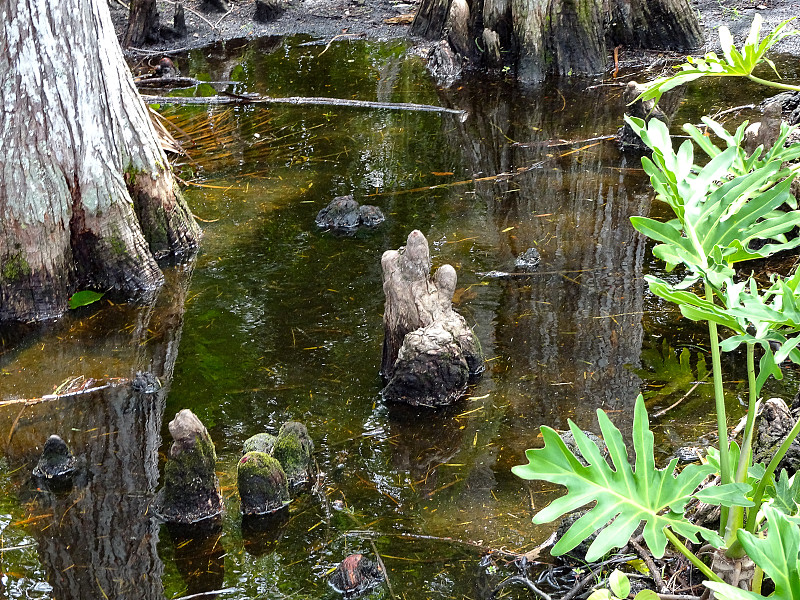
(662, 412)
(334, 38)
(519, 579)
(383, 568)
(648, 560)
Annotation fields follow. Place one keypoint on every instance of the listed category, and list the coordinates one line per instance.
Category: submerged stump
(263, 487)
(429, 351)
(355, 575)
(191, 490)
(260, 442)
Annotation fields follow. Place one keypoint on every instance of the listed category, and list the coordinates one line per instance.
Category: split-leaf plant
(736, 207)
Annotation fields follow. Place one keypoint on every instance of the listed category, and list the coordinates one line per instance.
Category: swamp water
(276, 320)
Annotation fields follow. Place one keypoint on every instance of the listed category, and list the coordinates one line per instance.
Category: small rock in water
(344, 214)
(56, 461)
(355, 575)
(528, 260)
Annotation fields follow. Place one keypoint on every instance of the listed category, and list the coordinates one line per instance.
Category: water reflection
(98, 536)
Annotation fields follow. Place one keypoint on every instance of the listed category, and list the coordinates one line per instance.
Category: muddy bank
(329, 20)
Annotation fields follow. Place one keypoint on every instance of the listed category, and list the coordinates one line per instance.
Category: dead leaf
(400, 19)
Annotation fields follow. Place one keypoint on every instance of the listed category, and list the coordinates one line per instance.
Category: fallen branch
(298, 100)
(173, 82)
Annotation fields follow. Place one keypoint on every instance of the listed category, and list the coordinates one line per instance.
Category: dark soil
(329, 20)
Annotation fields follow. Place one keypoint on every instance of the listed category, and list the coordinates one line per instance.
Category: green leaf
(647, 595)
(619, 583)
(777, 554)
(83, 298)
(600, 594)
(623, 496)
(787, 494)
(729, 494)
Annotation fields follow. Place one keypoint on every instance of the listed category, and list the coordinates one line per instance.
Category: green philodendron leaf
(734, 62)
(777, 554)
(729, 494)
(787, 494)
(84, 298)
(624, 496)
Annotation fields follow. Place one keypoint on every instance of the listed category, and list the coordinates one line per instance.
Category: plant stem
(775, 84)
(773, 464)
(736, 516)
(692, 558)
(719, 401)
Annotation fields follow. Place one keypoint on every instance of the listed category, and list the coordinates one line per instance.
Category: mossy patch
(14, 268)
(261, 442)
(263, 485)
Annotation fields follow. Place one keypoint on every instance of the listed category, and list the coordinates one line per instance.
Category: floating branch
(319, 101)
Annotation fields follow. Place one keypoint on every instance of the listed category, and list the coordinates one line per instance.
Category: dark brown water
(277, 320)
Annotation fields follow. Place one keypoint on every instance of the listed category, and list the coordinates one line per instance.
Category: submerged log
(429, 352)
(345, 215)
(191, 490)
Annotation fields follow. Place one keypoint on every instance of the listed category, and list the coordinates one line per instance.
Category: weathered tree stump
(355, 575)
(191, 489)
(56, 462)
(263, 487)
(293, 450)
(429, 352)
(268, 10)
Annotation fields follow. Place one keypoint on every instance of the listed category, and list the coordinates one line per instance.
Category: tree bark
(143, 24)
(87, 197)
(540, 37)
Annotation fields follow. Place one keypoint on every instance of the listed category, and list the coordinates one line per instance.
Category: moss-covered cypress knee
(191, 489)
(293, 449)
(260, 442)
(263, 487)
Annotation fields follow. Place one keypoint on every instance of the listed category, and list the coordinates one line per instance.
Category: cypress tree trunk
(143, 23)
(87, 197)
(540, 37)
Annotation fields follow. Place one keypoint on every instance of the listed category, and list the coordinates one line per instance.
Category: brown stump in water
(429, 352)
(355, 575)
(191, 490)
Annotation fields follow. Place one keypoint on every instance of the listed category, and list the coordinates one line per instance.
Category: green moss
(118, 247)
(16, 267)
(261, 442)
(292, 455)
(263, 485)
